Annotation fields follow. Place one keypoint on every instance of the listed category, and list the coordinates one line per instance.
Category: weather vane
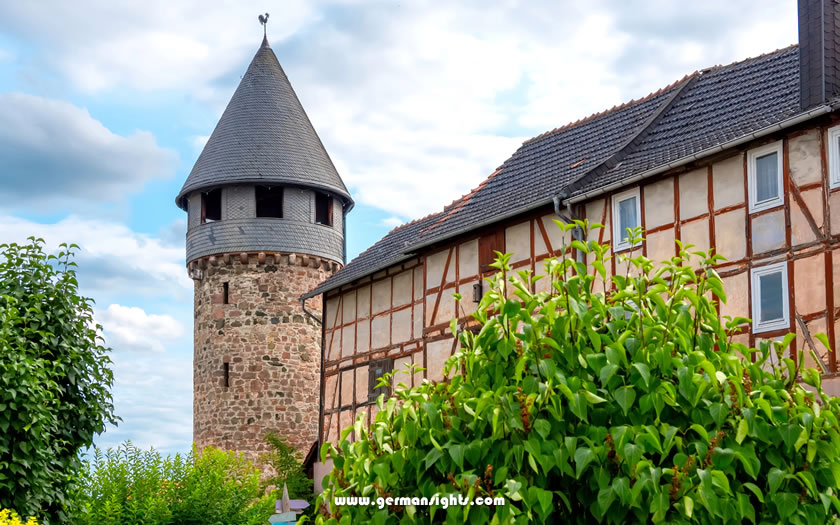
(264, 22)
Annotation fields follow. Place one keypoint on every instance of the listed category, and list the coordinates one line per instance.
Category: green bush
(127, 486)
(599, 403)
(55, 379)
(286, 462)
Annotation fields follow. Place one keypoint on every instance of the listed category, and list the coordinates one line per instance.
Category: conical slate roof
(264, 136)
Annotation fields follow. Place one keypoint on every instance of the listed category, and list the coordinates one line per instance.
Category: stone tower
(266, 211)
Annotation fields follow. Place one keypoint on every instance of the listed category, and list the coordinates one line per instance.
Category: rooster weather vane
(264, 22)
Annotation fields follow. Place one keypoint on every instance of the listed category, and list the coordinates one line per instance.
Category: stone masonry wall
(273, 351)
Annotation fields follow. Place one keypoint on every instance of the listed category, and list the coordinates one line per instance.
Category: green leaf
(644, 371)
(583, 457)
(456, 452)
(624, 396)
(743, 428)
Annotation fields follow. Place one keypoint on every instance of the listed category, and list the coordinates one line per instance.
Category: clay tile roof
(698, 112)
(264, 135)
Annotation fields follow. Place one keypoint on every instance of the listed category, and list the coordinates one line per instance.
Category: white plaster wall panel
(381, 295)
(467, 306)
(800, 230)
(468, 259)
(418, 321)
(659, 203)
(809, 284)
(240, 202)
(557, 237)
(737, 295)
(694, 196)
(380, 332)
(347, 387)
(348, 340)
(332, 309)
(418, 282)
(835, 263)
(768, 231)
(661, 245)
(362, 337)
(731, 235)
(362, 377)
(834, 212)
(331, 392)
(297, 205)
(349, 306)
(401, 326)
(402, 288)
(696, 233)
(436, 355)
(345, 419)
(435, 264)
(446, 308)
(518, 241)
(728, 182)
(594, 212)
(805, 158)
(363, 302)
(430, 306)
(334, 342)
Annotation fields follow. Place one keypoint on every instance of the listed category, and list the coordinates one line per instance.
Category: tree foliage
(608, 399)
(286, 462)
(129, 486)
(55, 379)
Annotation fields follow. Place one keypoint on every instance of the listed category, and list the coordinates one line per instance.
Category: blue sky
(104, 107)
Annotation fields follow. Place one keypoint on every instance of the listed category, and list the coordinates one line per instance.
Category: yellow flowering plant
(10, 517)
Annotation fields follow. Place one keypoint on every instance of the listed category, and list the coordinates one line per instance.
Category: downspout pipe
(577, 234)
(307, 312)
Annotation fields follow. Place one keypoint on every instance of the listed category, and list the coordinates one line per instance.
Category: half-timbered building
(741, 159)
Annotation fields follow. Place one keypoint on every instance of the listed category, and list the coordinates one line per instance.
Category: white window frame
(618, 237)
(755, 274)
(752, 155)
(833, 157)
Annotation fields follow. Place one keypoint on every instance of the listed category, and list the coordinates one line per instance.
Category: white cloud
(130, 328)
(199, 141)
(54, 152)
(392, 222)
(113, 259)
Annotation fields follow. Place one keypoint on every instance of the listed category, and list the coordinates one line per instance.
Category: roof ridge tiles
(718, 67)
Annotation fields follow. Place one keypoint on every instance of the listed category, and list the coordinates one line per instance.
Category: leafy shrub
(606, 400)
(286, 462)
(10, 517)
(55, 379)
(129, 486)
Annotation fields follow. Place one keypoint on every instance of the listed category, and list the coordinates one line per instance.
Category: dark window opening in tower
(323, 209)
(269, 201)
(378, 368)
(211, 206)
(225, 293)
(226, 374)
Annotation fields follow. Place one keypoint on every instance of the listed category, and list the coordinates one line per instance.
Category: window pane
(766, 177)
(770, 289)
(627, 215)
